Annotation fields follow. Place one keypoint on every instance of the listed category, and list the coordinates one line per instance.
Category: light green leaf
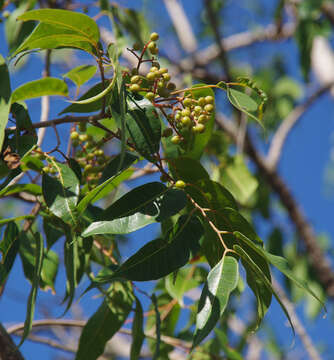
(33, 189)
(138, 335)
(81, 74)
(18, 218)
(61, 195)
(238, 180)
(221, 281)
(105, 322)
(42, 87)
(5, 99)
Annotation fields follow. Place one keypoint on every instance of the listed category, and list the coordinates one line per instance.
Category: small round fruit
(150, 76)
(187, 102)
(134, 88)
(198, 129)
(166, 77)
(152, 46)
(154, 36)
(99, 152)
(197, 109)
(178, 116)
(163, 92)
(176, 139)
(163, 71)
(202, 119)
(208, 108)
(46, 169)
(171, 86)
(150, 96)
(135, 79)
(83, 137)
(154, 69)
(88, 168)
(154, 51)
(185, 112)
(74, 135)
(186, 120)
(160, 84)
(209, 99)
(167, 132)
(90, 156)
(180, 184)
(201, 101)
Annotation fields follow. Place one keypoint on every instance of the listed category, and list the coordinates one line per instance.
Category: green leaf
(279, 262)
(196, 143)
(144, 128)
(52, 232)
(39, 251)
(138, 335)
(223, 340)
(81, 74)
(187, 169)
(61, 195)
(114, 173)
(49, 270)
(160, 257)
(186, 279)
(76, 22)
(18, 218)
(221, 281)
(260, 275)
(238, 180)
(9, 247)
(105, 322)
(32, 189)
(5, 99)
(42, 87)
(140, 199)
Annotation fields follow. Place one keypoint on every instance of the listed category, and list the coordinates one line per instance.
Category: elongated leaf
(49, 270)
(5, 98)
(221, 281)
(112, 176)
(47, 86)
(81, 74)
(160, 257)
(18, 218)
(144, 128)
(9, 247)
(106, 321)
(39, 251)
(61, 195)
(280, 263)
(265, 282)
(52, 231)
(138, 335)
(33, 189)
(139, 199)
(74, 21)
(50, 36)
(187, 169)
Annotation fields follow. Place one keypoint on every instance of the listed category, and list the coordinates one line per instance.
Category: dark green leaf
(187, 169)
(81, 74)
(18, 218)
(5, 99)
(39, 250)
(49, 270)
(221, 281)
(47, 86)
(138, 335)
(61, 195)
(144, 128)
(9, 247)
(105, 322)
(33, 189)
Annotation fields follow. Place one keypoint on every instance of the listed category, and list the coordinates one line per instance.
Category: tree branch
(8, 350)
(318, 261)
(287, 125)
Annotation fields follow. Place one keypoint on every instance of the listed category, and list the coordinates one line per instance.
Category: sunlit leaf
(5, 98)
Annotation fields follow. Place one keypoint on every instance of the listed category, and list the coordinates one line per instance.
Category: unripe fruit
(154, 69)
(197, 109)
(201, 101)
(150, 76)
(171, 86)
(83, 137)
(209, 99)
(88, 168)
(163, 92)
(134, 88)
(161, 84)
(74, 135)
(180, 184)
(90, 156)
(208, 108)
(178, 116)
(163, 71)
(154, 51)
(176, 139)
(46, 169)
(167, 132)
(202, 119)
(166, 76)
(135, 79)
(199, 128)
(185, 112)
(186, 120)
(187, 102)
(99, 152)
(152, 46)
(150, 96)
(154, 36)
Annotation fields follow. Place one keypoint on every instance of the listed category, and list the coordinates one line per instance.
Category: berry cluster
(183, 113)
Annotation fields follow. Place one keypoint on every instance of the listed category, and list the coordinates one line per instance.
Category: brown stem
(8, 350)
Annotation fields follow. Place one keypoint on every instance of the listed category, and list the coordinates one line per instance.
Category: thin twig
(300, 329)
(287, 125)
(182, 25)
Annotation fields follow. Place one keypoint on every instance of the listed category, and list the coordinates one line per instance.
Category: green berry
(166, 77)
(161, 84)
(150, 76)
(197, 110)
(198, 129)
(154, 69)
(90, 156)
(180, 184)
(171, 86)
(150, 96)
(167, 132)
(99, 152)
(187, 102)
(176, 139)
(83, 137)
(209, 99)
(185, 112)
(154, 51)
(154, 36)
(46, 169)
(74, 135)
(88, 168)
(163, 71)
(152, 46)
(186, 120)
(178, 116)
(208, 108)
(135, 79)
(134, 88)
(201, 101)
(163, 92)
(202, 119)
